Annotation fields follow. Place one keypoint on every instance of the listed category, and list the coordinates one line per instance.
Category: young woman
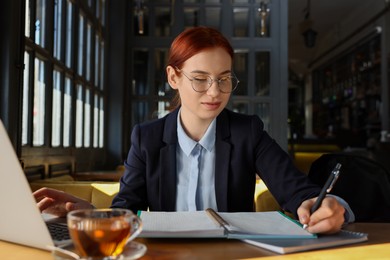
(203, 155)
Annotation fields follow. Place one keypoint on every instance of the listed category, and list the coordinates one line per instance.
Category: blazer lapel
(168, 164)
(222, 158)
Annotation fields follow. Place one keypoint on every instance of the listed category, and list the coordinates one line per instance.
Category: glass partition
(262, 73)
(191, 17)
(241, 71)
(215, 13)
(140, 84)
(163, 21)
(241, 22)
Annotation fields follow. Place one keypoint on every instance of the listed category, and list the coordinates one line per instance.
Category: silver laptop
(20, 219)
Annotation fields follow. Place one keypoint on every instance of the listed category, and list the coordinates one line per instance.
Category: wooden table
(377, 247)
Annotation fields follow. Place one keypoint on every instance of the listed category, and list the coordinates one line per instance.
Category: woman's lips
(211, 105)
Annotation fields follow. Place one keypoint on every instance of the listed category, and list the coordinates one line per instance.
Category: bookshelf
(347, 96)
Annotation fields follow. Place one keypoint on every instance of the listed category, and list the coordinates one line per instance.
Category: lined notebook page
(270, 223)
(195, 222)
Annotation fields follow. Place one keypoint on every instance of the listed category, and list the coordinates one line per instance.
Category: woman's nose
(214, 88)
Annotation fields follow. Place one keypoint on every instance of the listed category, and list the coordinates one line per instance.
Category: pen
(326, 189)
(218, 219)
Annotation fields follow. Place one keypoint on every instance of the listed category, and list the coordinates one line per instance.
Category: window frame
(67, 70)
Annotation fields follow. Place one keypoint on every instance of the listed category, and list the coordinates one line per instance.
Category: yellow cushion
(306, 154)
(303, 160)
(103, 194)
(264, 200)
(100, 194)
(314, 148)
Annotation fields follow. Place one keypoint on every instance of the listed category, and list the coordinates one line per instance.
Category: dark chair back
(363, 183)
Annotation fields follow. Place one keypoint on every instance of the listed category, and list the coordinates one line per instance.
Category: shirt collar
(187, 144)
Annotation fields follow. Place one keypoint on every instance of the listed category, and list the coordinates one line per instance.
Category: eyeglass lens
(226, 84)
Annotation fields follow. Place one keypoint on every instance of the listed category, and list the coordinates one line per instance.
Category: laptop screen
(20, 220)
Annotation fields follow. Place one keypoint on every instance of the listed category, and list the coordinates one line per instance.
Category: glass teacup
(102, 233)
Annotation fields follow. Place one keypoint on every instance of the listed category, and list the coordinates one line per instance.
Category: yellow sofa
(264, 200)
(305, 154)
(100, 194)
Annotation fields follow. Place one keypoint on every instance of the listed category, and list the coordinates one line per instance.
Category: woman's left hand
(327, 219)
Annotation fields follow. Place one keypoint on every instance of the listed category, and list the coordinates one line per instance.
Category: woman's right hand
(57, 202)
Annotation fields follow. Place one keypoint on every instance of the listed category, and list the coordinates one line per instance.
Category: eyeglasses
(202, 83)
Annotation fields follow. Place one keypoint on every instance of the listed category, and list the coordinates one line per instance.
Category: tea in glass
(99, 233)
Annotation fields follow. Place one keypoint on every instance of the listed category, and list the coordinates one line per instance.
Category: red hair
(192, 41)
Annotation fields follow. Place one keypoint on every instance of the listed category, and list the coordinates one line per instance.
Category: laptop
(21, 221)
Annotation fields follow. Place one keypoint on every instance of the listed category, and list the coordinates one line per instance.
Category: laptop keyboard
(58, 231)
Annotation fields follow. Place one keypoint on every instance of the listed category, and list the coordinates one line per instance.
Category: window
(40, 22)
(67, 112)
(79, 116)
(64, 73)
(87, 118)
(69, 34)
(39, 111)
(26, 103)
(57, 29)
(80, 47)
(56, 112)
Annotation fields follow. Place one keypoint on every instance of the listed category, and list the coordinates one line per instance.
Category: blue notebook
(285, 246)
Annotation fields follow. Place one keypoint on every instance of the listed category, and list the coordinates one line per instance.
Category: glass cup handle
(136, 223)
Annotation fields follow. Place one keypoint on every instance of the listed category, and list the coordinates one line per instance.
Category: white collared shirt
(195, 167)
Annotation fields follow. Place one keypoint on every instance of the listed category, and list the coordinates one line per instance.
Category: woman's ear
(172, 77)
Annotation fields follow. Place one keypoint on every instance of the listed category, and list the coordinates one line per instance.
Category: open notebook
(20, 219)
(210, 224)
(271, 230)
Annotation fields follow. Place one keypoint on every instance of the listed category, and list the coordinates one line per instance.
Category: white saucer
(133, 250)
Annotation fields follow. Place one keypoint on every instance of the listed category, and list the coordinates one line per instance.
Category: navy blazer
(243, 149)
